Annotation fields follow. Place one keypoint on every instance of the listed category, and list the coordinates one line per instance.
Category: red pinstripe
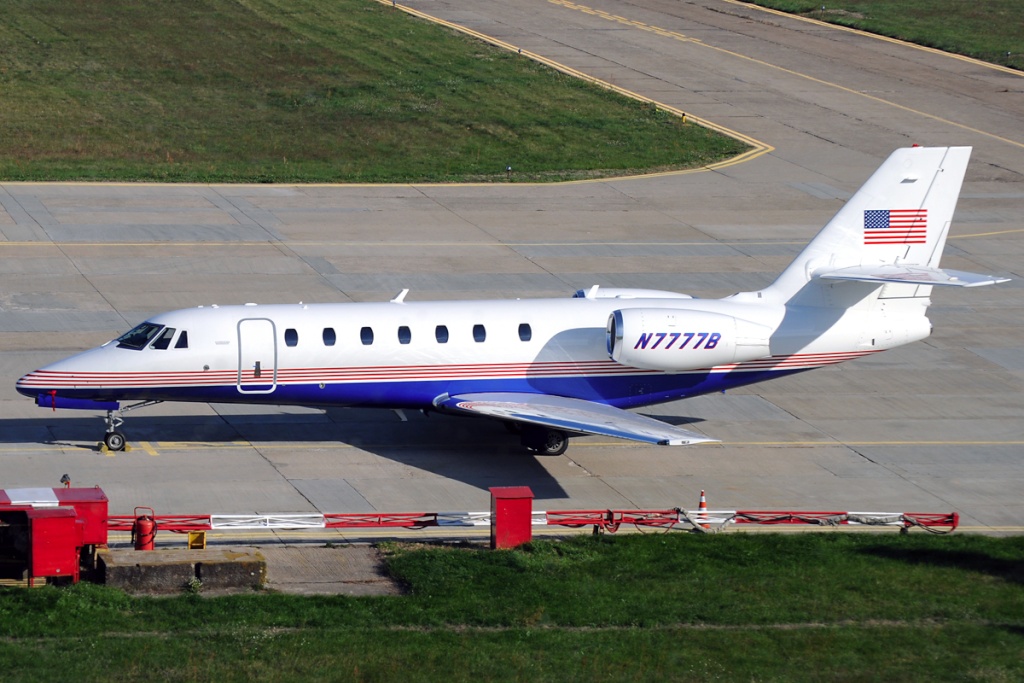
(411, 373)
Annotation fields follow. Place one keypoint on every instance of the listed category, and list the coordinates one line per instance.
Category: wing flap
(911, 275)
(572, 415)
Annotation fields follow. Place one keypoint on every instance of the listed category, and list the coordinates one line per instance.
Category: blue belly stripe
(619, 391)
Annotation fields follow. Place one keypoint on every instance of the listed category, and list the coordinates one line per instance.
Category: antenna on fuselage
(400, 297)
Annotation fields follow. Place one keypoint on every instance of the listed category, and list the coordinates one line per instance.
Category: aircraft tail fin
(893, 230)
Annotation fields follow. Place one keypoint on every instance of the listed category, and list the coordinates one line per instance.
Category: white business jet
(552, 368)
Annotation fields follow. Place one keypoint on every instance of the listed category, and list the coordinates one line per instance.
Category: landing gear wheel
(114, 441)
(546, 441)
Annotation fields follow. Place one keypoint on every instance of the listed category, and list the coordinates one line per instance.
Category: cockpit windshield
(139, 336)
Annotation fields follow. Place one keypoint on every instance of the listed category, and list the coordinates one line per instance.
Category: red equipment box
(56, 543)
(511, 516)
(39, 543)
(90, 506)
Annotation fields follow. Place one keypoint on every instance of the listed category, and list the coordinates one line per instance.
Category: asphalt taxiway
(934, 426)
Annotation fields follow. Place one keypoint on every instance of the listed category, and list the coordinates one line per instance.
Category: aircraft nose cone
(65, 376)
(33, 384)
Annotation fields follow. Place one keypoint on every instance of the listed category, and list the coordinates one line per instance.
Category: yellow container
(197, 540)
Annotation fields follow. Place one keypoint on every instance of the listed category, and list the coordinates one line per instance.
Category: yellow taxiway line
(155, 448)
(876, 36)
(681, 37)
(438, 245)
(758, 148)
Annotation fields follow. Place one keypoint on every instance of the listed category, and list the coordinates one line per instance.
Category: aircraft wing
(911, 275)
(571, 415)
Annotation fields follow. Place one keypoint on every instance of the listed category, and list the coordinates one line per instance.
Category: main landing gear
(544, 441)
(114, 438)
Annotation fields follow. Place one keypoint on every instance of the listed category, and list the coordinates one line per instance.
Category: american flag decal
(896, 226)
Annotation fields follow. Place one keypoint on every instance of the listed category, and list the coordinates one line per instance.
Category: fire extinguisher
(144, 529)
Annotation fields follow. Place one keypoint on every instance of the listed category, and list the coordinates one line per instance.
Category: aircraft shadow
(1011, 570)
(674, 420)
(478, 452)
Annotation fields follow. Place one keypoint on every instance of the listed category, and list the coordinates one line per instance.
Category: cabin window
(291, 337)
(404, 335)
(182, 342)
(441, 334)
(366, 336)
(163, 342)
(329, 336)
(479, 333)
(525, 333)
(138, 337)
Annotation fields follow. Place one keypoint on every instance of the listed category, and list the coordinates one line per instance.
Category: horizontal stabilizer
(571, 415)
(911, 275)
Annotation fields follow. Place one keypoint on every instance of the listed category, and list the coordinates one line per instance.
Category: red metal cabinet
(55, 543)
(90, 505)
(511, 516)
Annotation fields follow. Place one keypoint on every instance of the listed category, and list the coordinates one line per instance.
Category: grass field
(305, 91)
(809, 607)
(990, 30)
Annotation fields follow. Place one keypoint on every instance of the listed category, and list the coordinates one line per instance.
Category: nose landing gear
(114, 439)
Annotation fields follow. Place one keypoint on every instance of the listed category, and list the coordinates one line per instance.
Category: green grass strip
(989, 30)
(764, 607)
(304, 91)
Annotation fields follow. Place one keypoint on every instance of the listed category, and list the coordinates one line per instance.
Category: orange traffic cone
(702, 509)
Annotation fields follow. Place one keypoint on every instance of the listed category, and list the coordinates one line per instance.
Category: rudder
(899, 218)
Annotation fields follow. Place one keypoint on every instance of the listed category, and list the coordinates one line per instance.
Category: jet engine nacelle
(677, 340)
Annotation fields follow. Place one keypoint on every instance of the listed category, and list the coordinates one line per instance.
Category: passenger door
(257, 356)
